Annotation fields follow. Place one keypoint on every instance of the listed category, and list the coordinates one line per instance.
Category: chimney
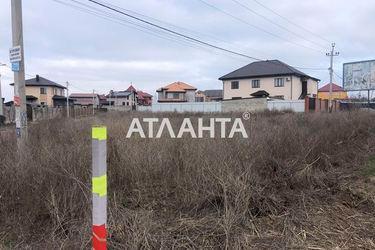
(37, 78)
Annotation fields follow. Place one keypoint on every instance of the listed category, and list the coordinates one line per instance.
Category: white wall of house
(190, 95)
(291, 90)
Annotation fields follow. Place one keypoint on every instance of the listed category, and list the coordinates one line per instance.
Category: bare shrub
(294, 183)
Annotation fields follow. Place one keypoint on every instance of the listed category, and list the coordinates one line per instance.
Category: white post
(99, 188)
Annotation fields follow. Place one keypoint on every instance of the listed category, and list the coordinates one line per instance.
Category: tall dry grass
(295, 183)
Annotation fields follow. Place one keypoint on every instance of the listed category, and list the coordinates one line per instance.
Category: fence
(45, 113)
(208, 107)
(241, 105)
(296, 106)
(313, 104)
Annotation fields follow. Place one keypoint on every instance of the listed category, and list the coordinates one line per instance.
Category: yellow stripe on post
(99, 133)
(99, 185)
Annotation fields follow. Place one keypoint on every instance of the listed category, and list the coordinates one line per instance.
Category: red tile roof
(335, 88)
(131, 89)
(177, 87)
(142, 95)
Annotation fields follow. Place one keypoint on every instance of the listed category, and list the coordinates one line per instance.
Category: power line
(255, 27)
(275, 23)
(291, 22)
(174, 32)
(109, 17)
(185, 36)
(338, 75)
(215, 38)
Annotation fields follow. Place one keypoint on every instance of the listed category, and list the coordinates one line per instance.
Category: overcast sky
(64, 44)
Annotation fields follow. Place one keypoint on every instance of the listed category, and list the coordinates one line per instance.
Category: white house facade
(276, 78)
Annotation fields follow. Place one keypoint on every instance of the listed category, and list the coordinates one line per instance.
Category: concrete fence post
(99, 188)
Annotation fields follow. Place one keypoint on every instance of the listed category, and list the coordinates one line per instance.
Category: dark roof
(119, 94)
(43, 82)
(31, 97)
(59, 97)
(264, 69)
(213, 93)
(335, 88)
(260, 93)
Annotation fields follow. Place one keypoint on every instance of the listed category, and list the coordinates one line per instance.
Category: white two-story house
(277, 79)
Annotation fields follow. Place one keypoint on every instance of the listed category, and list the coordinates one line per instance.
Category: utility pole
(67, 100)
(331, 55)
(19, 75)
(93, 102)
(1, 97)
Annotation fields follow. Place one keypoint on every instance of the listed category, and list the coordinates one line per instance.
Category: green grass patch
(369, 170)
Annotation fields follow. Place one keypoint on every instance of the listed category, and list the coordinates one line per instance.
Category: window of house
(43, 91)
(127, 104)
(235, 85)
(123, 103)
(279, 82)
(176, 95)
(255, 84)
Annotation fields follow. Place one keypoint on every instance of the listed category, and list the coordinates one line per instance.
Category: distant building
(103, 100)
(177, 92)
(212, 95)
(272, 76)
(338, 92)
(42, 91)
(85, 99)
(128, 97)
(60, 101)
(144, 99)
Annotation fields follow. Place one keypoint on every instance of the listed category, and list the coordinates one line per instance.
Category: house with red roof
(129, 97)
(176, 92)
(126, 97)
(338, 92)
(144, 99)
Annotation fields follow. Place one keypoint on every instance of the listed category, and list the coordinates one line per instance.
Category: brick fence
(313, 104)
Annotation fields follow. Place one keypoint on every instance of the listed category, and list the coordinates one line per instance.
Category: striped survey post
(99, 188)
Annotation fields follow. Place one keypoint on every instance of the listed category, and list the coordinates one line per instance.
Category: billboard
(359, 75)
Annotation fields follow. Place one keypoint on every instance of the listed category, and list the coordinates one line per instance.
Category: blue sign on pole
(16, 66)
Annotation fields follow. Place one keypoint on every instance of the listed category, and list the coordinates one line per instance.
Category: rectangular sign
(359, 75)
(16, 66)
(15, 54)
(17, 101)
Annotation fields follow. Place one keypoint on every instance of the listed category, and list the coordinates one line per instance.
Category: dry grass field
(298, 182)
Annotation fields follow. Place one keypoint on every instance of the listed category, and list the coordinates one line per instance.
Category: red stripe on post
(99, 237)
